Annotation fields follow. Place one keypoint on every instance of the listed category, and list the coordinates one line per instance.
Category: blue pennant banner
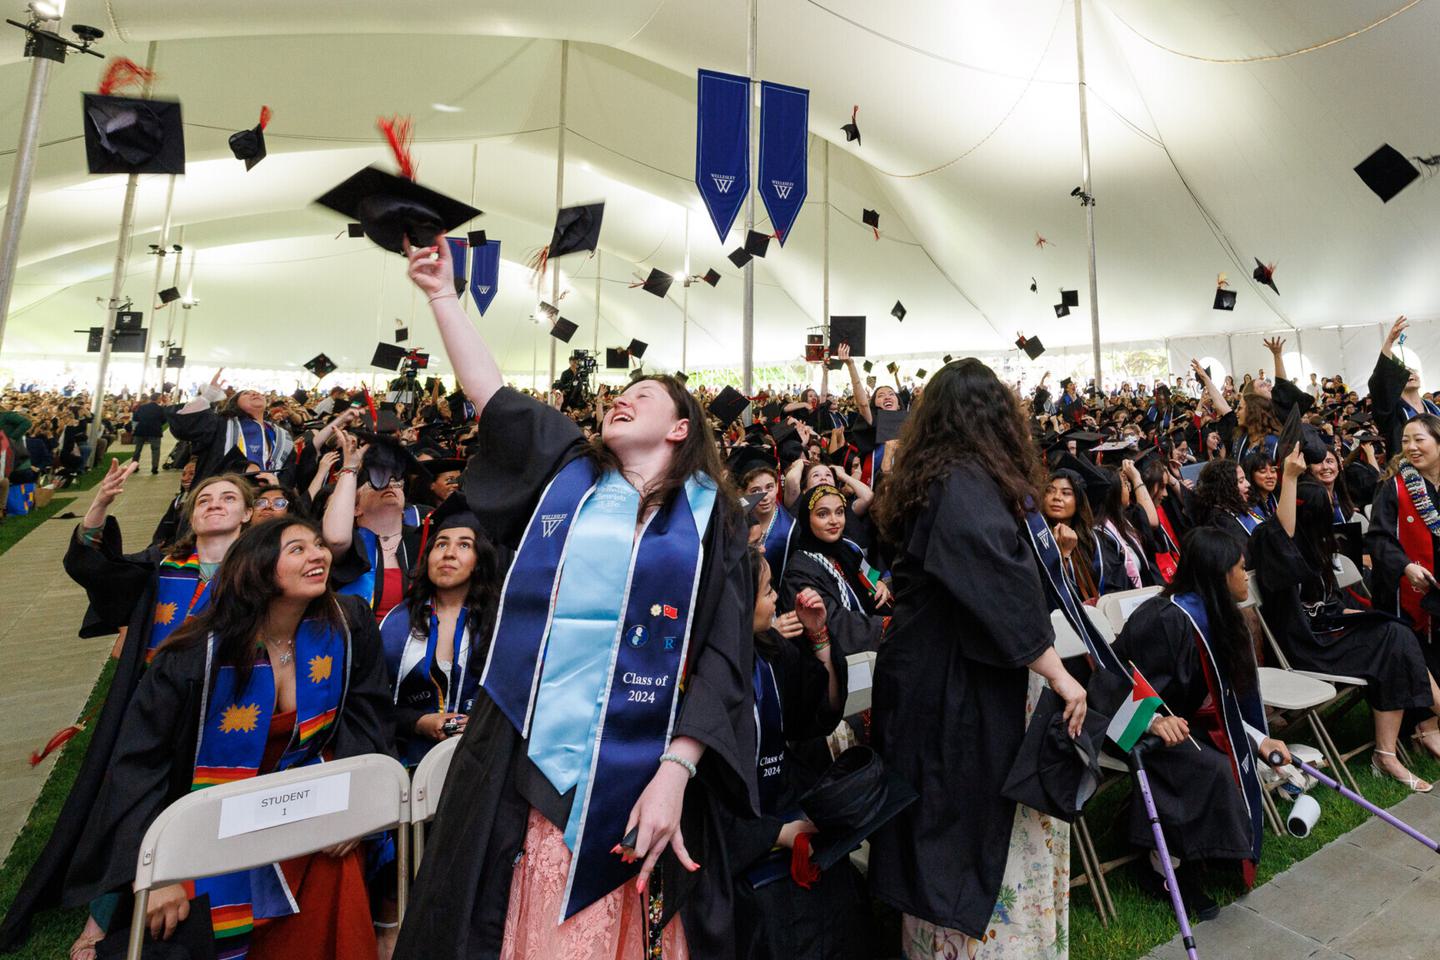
(458, 246)
(722, 146)
(784, 153)
(485, 273)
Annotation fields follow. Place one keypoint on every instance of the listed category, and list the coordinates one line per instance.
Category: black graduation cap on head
(576, 228)
(637, 349)
(169, 295)
(249, 145)
(616, 358)
(658, 283)
(128, 134)
(739, 256)
(1387, 171)
(1265, 274)
(757, 243)
(1094, 481)
(852, 129)
(1061, 310)
(388, 355)
(898, 311)
(849, 330)
(386, 459)
(728, 404)
(320, 365)
(1224, 299)
(1032, 345)
(1071, 298)
(854, 797)
(391, 208)
(563, 329)
(712, 277)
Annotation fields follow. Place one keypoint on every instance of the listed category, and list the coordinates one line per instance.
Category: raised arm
(338, 524)
(111, 486)
(1222, 406)
(1276, 345)
(862, 396)
(212, 393)
(863, 492)
(1285, 509)
(433, 272)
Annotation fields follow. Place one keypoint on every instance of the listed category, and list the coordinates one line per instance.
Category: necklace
(286, 655)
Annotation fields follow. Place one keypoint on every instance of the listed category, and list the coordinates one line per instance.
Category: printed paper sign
(271, 807)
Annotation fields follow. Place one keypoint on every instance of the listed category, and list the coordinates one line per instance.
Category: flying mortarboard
(920, 374)
(852, 129)
(1071, 298)
(476, 238)
(849, 330)
(1032, 345)
(616, 358)
(757, 243)
(637, 349)
(868, 365)
(129, 134)
(739, 256)
(402, 334)
(893, 367)
(712, 277)
(249, 145)
(355, 229)
(1224, 299)
(320, 365)
(682, 376)
(947, 358)
(563, 329)
(1034, 287)
(658, 283)
(388, 356)
(1061, 310)
(549, 310)
(391, 208)
(169, 295)
(871, 219)
(727, 405)
(576, 228)
(888, 424)
(898, 311)
(1387, 171)
(1265, 274)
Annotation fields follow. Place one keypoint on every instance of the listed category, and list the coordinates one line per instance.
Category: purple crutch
(1359, 801)
(1186, 936)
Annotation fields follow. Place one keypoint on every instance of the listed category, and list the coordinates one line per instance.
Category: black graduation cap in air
(920, 374)
(871, 219)
(169, 295)
(1265, 274)
(402, 334)
(727, 405)
(576, 228)
(1061, 310)
(658, 283)
(1032, 345)
(1034, 287)
(1387, 171)
(249, 145)
(388, 356)
(616, 358)
(130, 135)
(682, 376)
(893, 367)
(476, 238)
(563, 329)
(712, 277)
(320, 365)
(637, 349)
(355, 230)
(868, 365)
(1071, 298)
(852, 129)
(898, 311)
(739, 256)
(849, 330)
(387, 458)
(888, 424)
(757, 243)
(947, 358)
(549, 310)
(390, 208)
(1224, 299)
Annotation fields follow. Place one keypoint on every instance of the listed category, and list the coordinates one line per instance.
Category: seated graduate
(1320, 627)
(1172, 518)
(755, 474)
(238, 433)
(1125, 559)
(799, 693)
(364, 522)
(273, 500)
(1264, 479)
(1332, 481)
(1066, 508)
(823, 560)
(1222, 500)
(297, 679)
(435, 641)
(1193, 647)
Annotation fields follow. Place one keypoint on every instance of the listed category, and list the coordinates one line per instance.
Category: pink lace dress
(608, 929)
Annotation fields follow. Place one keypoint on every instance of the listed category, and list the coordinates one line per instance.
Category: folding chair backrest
(1271, 643)
(1346, 573)
(430, 779)
(1363, 520)
(238, 826)
(1117, 607)
(861, 670)
(1099, 621)
(1067, 641)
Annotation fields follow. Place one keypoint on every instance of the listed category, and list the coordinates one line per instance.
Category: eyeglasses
(452, 481)
(278, 503)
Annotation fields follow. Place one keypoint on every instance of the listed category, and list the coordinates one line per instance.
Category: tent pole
(170, 317)
(160, 253)
(1300, 348)
(685, 300)
(559, 185)
(117, 286)
(1088, 200)
(825, 258)
(189, 297)
(24, 172)
(595, 338)
(747, 310)
(1230, 351)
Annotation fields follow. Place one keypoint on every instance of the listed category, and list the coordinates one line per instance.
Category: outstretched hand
(431, 268)
(113, 483)
(1275, 344)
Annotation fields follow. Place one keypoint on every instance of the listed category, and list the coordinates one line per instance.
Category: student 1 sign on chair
(266, 819)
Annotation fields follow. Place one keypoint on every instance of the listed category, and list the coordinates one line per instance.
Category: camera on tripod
(586, 364)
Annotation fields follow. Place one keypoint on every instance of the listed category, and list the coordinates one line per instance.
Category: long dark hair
(764, 640)
(1342, 489)
(479, 597)
(1315, 531)
(1083, 523)
(1260, 418)
(1112, 508)
(697, 453)
(1252, 463)
(965, 415)
(182, 548)
(1207, 556)
(243, 589)
(1218, 491)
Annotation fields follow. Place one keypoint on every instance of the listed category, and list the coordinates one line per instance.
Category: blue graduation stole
(1234, 713)
(1154, 413)
(367, 585)
(1248, 520)
(601, 648)
(179, 595)
(777, 541)
(871, 466)
(410, 656)
(770, 727)
(1409, 412)
(235, 725)
(1057, 591)
(257, 442)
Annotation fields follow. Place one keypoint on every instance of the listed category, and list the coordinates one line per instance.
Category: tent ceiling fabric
(969, 113)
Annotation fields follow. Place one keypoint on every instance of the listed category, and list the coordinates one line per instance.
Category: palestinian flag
(1133, 717)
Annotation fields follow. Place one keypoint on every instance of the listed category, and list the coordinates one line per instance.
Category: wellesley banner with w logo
(722, 149)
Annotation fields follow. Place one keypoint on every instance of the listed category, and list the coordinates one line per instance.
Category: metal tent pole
(1088, 200)
(189, 299)
(161, 251)
(595, 337)
(825, 258)
(747, 310)
(117, 284)
(685, 300)
(559, 185)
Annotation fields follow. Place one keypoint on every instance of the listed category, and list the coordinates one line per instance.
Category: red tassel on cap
(802, 871)
(397, 130)
(264, 117)
(123, 72)
(55, 743)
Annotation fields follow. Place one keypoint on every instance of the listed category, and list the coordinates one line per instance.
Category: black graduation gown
(1388, 562)
(1201, 807)
(1370, 645)
(153, 762)
(949, 699)
(458, 907)
(1112, 563)
(205, 431)
(851, 631)
(1362, 480)
(1387, 386)
(782, 920)
(121, 591)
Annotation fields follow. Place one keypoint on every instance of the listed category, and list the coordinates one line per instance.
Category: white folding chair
(1363, 520)
(1117, 607)
(1346, 573)
(1067, 641)
(1101, 624)
(861, 670)
(425, 789)
(224, 828)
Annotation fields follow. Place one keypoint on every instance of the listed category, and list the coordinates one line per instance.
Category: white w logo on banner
(550, 521)
(484, 289)
(783, 188)
(723, 184)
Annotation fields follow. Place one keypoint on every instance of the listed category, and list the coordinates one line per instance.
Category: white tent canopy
(1220, 132)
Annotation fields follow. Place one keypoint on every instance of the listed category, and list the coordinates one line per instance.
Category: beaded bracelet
(675, 758)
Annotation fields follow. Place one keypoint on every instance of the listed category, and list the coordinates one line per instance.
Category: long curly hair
(1218, 491)
(1259, 419)
(965, 415)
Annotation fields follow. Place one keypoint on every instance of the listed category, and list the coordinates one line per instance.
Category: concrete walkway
(1371, 894)
(48, 670)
